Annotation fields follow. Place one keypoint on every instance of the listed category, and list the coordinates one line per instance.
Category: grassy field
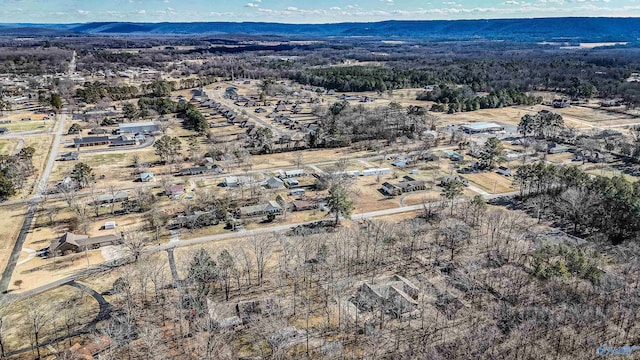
(491, 182)
(7, 146)
(10, 224)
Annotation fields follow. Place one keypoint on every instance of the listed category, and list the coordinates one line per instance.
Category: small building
(405, 186)
(110, 225)
(448, 179)
(481, 127)
(304, 205)
(235, 181)
(454, 156)
(267, 208)
(297, 192)
(146, 177)
(98, 131)
(69, 156)
(72, 243)
(274, 183)
(502, 170)
(290, 183)
(91, 141)
(149, 127)
(560, 103)
(111, 198)
(292, 174)
(375, 172)
(401, 161)
(260, 110)
(174, 190)
(553, 148)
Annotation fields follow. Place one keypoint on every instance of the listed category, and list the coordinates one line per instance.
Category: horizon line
(324, 23)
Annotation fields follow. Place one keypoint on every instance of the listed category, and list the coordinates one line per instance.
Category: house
(67, 184)
(560, 103)
(149, 127)
(304, 205)
(291, 183)
(274, 183)
(235, 181)
(608, 134)
(375, 172)
(146, 177)
(98, 131)
(174, 191)
(231, 93)
(481, 127)
(504, 171)
(111, 198)
(72, 243)
(123, 140)
(267, 208)
(553, 148)
(91, 141)
(454, 156)
(401, 161)
(397, 296)
(348, 97)
(407, 185)
(281, 107)
(291, 174)
(448, 179)
(611, 102)
(69, 156)
(297, 192)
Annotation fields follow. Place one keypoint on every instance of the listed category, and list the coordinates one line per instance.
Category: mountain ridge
(579, 29)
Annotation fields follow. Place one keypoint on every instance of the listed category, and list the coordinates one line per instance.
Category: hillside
(525, 30)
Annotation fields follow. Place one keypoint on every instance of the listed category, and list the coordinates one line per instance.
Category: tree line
(15, 170)
(597, 206)
(462, 99)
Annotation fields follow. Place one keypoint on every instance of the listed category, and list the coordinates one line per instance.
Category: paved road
(53, 154)
(33, 205)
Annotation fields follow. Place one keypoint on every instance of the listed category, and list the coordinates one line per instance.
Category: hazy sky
(302, 11)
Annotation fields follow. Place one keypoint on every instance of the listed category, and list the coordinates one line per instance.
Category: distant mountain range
(526, 30)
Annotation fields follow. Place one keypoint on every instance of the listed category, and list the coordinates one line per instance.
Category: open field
(491, 182)
(10, 224)
(7, 146)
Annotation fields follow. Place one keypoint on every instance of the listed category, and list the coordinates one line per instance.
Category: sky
(302, 11)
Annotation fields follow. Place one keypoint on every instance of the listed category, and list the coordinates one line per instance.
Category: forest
(491, 284)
